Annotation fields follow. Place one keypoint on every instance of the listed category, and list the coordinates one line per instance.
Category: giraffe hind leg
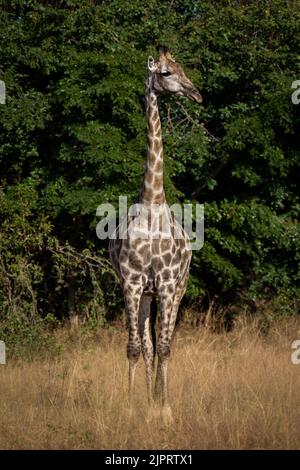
(145, 332)
(166, 296)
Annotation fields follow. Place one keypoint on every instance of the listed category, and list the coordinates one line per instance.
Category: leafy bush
(26, 338)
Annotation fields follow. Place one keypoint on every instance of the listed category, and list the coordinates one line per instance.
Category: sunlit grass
(228, 391)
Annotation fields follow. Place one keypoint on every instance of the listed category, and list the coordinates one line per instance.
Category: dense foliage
(73, 137)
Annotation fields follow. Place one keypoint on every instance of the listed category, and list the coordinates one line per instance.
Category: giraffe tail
(153, 316)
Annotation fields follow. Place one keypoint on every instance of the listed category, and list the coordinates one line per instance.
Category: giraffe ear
(152, 67)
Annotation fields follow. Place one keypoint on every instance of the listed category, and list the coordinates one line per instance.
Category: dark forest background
(72, 136)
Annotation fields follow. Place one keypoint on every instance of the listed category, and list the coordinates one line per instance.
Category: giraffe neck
(153, 185)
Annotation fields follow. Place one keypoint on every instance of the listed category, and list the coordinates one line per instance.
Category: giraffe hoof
(153, 413)
(130, 412)
(167, 415)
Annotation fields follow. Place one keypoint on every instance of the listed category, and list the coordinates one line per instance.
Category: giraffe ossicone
(154, 269)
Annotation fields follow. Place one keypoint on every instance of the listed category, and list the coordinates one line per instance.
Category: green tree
(73, 136)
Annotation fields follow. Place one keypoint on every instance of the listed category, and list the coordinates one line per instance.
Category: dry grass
(228, 391)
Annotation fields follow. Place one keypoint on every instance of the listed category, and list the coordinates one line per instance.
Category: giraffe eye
(165, 74)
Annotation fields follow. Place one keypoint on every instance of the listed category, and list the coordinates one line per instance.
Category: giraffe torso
(151, 255)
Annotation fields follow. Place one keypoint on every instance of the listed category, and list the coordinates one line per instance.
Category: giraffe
(153, 264)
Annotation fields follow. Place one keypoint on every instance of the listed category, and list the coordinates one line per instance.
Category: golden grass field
(235, 390)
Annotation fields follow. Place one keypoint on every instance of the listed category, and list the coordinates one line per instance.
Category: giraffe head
(169, 77)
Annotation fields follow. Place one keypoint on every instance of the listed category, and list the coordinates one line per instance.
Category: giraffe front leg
(132, 295)
(166, 296)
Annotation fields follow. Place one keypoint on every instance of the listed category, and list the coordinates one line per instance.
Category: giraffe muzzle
(194, 95)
